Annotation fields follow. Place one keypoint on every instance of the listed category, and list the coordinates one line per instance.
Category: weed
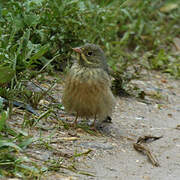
(38, 36)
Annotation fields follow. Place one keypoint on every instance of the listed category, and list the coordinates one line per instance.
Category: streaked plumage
(87, 86)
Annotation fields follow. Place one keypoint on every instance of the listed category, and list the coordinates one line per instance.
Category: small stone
(44, 102)
(178, 109)
(139, 117)
(146, 177)
(72, 133)
(170, 115)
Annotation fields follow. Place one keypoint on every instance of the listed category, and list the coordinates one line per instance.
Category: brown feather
(87, 92)
(87, 85)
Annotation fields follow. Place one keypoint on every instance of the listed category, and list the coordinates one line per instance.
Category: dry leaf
(169, 7)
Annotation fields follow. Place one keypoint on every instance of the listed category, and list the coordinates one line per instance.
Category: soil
(115, 157)
(110, 154)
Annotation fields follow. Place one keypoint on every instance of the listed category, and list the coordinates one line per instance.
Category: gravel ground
(115, 157)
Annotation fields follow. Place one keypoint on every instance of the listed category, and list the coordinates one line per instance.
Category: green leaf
(4, 143)
(26, 143)
(6, 74)
(3, 117)
(11, 131)
(18, 24)
(31, 20)
(28, 168)
(1, 103)
(41, 52)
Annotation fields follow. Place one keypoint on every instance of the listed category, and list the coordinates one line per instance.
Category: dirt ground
(73, 154)
(113, 155)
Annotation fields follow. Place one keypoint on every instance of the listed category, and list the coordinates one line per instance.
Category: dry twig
(144, 149)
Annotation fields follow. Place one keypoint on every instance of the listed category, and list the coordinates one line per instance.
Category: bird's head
(92, 56)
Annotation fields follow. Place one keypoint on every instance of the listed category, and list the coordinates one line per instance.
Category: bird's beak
(78, 50)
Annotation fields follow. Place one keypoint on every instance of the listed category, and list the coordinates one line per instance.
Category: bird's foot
(75, 121)
(108, 119)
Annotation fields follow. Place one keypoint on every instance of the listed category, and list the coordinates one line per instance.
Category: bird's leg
(87, 121)
(75, 121)
(94, 123)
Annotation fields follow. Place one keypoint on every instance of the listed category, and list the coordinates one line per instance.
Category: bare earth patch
(63, 152)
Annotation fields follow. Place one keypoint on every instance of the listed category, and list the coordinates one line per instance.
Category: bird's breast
(90, 76)
(87, 91)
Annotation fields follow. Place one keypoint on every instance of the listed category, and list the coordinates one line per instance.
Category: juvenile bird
(87, 85)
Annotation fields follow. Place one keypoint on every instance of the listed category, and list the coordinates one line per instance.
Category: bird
(87, 90)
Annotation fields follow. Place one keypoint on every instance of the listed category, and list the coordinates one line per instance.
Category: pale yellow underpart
(87, 92)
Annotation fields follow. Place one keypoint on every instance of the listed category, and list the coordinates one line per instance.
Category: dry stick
(63, 154)
(145, 150)
(147, 139)
(44, 93)
(49, 63)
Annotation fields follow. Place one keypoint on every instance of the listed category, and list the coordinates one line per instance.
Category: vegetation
(37, 36)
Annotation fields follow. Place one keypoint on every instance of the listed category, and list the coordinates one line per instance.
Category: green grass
(37, 36)
(13, 163)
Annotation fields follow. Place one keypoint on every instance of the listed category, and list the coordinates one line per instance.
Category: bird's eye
(89, 53)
